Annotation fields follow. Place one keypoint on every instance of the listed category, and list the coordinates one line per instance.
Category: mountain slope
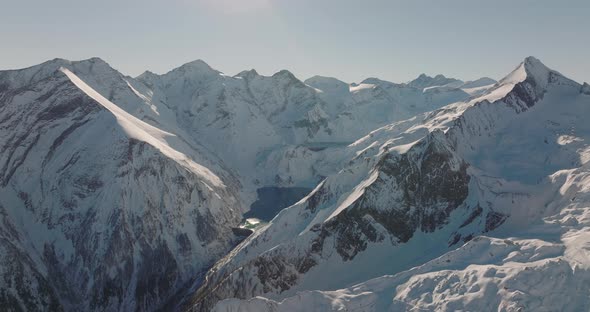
(117, 193)
(105, 211)
(416, 190)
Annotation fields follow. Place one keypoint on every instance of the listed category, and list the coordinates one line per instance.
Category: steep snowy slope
(418, 189)
(100, 211)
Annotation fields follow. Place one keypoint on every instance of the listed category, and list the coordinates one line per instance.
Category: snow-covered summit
(533, 70)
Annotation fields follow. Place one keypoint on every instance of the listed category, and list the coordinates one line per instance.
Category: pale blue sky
(350, 40)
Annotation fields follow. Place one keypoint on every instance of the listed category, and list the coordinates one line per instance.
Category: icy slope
(100, 211)
(415, 190)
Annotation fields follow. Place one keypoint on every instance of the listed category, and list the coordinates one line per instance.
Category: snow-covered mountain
(480, 204)
(100, 210)
(271, 128)
(117, 193)
(361, 108)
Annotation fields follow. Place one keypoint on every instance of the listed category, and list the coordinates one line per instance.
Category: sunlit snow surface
(202, 143)
(142, 131)
(530, 163)
(92, 197)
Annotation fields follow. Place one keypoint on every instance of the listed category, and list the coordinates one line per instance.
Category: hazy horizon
(351, 41)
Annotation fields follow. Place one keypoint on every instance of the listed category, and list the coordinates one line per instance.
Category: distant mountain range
(122, 194)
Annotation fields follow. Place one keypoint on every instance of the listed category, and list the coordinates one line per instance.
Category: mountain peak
(535, 67)
(532, 61)
(425, 81)
(529, 81)
(92, 67)
(322, 78)
(94, 59)
(375, 81)
(529, 69)
(248, 74)
(285, 76)
(199, 65)
(371, 80)
(327, 84)
(284, 73)
(146, 74)
(533, 70)
(195, 70)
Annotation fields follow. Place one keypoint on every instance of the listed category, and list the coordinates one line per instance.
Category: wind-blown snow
(142, 131)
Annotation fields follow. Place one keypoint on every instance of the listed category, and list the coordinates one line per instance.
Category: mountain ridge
(131, 182)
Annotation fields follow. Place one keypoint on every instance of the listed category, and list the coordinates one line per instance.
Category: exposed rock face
(401, 197)
(585, 89)
(24, 287)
